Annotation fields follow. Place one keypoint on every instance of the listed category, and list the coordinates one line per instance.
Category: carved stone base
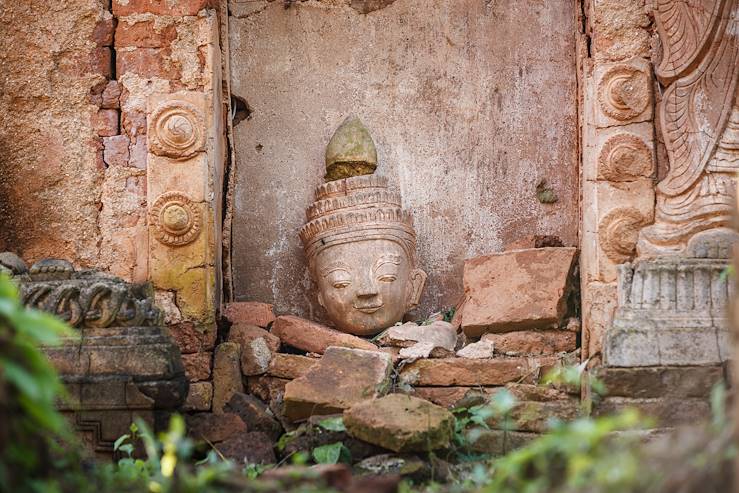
(672, 311)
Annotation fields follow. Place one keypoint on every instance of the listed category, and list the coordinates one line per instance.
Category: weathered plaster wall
(53, 54)
(471, 104)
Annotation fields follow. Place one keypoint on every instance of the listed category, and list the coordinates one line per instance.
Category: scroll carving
(624, 92)
(625, 157)
(176, 130)
(618, 232)
(699, 118)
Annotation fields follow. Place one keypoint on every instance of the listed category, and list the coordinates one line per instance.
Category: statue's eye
(386, 278)
(341, 284)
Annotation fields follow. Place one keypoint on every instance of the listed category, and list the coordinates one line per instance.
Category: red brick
(315, 338)
(290, 366)
(162, 7)
(146, 62)
(517, 290)
(144, 35)
(110, 95)
(197, 366)
(249, 313)
(450, 372)
(116, 150)
(214, 427)
(192, 339)
(98, 61)
(257, 347)
(102, 34)
(133, 123)
(106, 123)
(139, 153)
(533, 342)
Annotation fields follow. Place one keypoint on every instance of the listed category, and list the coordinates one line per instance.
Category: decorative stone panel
(623, 92)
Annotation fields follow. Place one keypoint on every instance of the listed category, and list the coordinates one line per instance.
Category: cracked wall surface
(471, 104)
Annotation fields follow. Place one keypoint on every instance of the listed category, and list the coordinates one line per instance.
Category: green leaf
(120, 441)
(335, 423)
(331, 453)
(25, 382)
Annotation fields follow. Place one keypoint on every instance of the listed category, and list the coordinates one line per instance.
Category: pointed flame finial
(351, 151)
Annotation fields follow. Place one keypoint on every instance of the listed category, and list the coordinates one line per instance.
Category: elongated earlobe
(418, 279)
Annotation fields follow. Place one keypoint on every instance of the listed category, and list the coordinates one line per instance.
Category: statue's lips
(368, 309)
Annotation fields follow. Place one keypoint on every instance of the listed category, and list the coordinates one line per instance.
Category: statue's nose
(367, 289)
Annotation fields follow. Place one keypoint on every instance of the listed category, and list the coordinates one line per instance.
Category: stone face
(465, 218)
(251, 447)
(472, 372)
(214, 427)
(533, 342)
(313, 337)
(226, 374)
(199, 397)
(257, 347)
(517, 290)
(440, 335)
(290, 366)
(342, 378)
(249, 313)
(662, 381)
(255, 414)
(360, 244)
(400, 423)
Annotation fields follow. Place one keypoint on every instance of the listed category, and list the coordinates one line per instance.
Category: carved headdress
(353, 209)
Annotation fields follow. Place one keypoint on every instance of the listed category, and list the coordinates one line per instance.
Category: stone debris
(257, 347)
(197, 365)
(400, 423)
(226, 374)
(255, 414)
(453, 397)
(533, 342)
(418, 350)
(290, 366)
(313, 337)
(214, 428)
(473, 372)
(440, 335)
(249, 313)
(517, 290)
(250, 447)
(477, 350)
(341, 379)
(199, 397)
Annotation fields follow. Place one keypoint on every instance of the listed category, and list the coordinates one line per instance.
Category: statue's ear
(320, 299)
(418, 279)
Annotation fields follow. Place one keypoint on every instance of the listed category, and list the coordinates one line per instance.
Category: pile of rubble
(277, 374)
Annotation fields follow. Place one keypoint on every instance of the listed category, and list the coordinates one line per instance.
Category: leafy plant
(332, 453)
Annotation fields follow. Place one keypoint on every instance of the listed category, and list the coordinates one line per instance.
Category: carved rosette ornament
(625, 157)
(176, 219)
(624, 92)
(618, 232)
(361, 245)
(176, 130)
(699, 120)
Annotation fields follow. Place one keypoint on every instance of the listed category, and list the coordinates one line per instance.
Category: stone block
(533, 342)
(106, 123)
(255, 414)
(499, 442)
(265, 387)
(400, 423)
(102, 34)
(257, 347)
(517, 290)
(214, 427)
(249, 313)
(99, 62)
(148, 63)
(226, 374)
(452, 397)
(197, 365)
(111, 94)
(342, 378)
(666, 412)
(192, 338)
(675, 382)
(144, 34)
(179, 8)
(251, 447)
(537, 416)
(473, 372)
(290, 366)
(313, 337)
(482, 349)
(115, 150)
(199, 397)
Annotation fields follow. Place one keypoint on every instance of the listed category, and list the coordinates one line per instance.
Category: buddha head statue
(361, 249)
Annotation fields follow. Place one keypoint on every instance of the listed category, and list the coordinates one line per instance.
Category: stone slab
(666, 412)
(313, 337)
(660, 381)
(473, 372)
(290, 366)
(517, 290)
(533, 342)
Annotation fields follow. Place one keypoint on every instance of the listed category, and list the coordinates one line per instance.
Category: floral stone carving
(361, 250)
(625, 157)
(175, 218)
(699, 118)
(176, 130)
(618, 232)
(624, 92)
